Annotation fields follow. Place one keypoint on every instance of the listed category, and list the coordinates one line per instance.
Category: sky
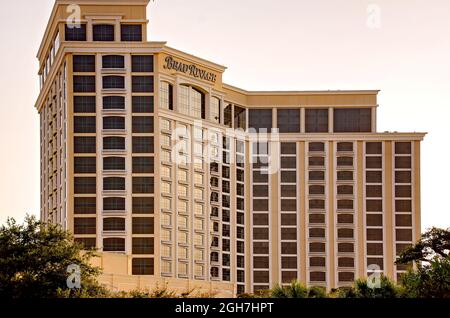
(401, 47)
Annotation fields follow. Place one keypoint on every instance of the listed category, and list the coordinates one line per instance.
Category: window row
(88, 205)
(88, 145)
(87, 84)
(87, 124)
(88, 185)
(104, 32)
(87, 104)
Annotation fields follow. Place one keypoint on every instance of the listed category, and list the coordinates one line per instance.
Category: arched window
(214, 110)
(191, 102)
(166, 93)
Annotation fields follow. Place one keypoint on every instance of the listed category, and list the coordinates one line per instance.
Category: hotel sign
(189, 69)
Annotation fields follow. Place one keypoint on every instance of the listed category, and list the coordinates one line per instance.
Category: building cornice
(299, 93)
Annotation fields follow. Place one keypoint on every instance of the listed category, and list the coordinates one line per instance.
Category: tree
(362, 289)
(429, 281)
(35, 257)
(297, 290)
(294, 290)
(434, 243)
(431, 255)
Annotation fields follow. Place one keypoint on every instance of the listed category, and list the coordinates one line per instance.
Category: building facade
(147, 154)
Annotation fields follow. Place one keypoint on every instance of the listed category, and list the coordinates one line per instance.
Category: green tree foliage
(431, 255)
(297, 290)
(34, 258)
(429, 281)
(434, 243)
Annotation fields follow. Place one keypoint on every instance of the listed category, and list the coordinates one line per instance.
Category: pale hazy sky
(267, 45)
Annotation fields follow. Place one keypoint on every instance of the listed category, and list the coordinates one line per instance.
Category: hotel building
(176, 177)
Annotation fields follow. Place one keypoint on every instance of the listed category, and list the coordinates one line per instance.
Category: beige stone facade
(182, 179)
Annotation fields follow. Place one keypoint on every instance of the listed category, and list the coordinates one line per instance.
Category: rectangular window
(84, 125)
(85, 145)
(103, 32)
(114, 245)
(85, 226)
(113, 82)
(143, 205)
(75, 32)
(131, 32)
(143, 266)
(142, 84)
(260, 119)
(289, 120)
(352, 120)
(113, 61)
(143, 165)
(143, 104)
(85, 165)
(114, 184)
(113, 143)
(114, 123)
(113, 102)
(143, 185)
(240, 118)
(85, 185)
(114, 204)
(143, 226)
(166, 95)
(316, 120)
(84, 104)
(84, 84)
(85, 205)
(143, 144)
(143, 246)
(83, 63)
(142, 125)
(142, 63)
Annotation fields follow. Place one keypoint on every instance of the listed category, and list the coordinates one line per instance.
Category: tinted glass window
(352, 120)
(316, 120)
(84, 124)
(142, 84)
(85, 164)
(85, 185)
(143, 104)
(142, 63)
(113, 102)
(84, 63)
(143, 165)
(113, 61)
(143, 205)
(288, 120)
(131, 32)
(260, 119)
(114, 123)
(84, 84)
(143, 145)
(113, 163)
(143, 266)
(84, 104)
(114, 143)
(75, 32)
(113, 82)
(142, 124)
(85, 205)
(103, 32)
(85, 145)
(114, 184)
(143, 185)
